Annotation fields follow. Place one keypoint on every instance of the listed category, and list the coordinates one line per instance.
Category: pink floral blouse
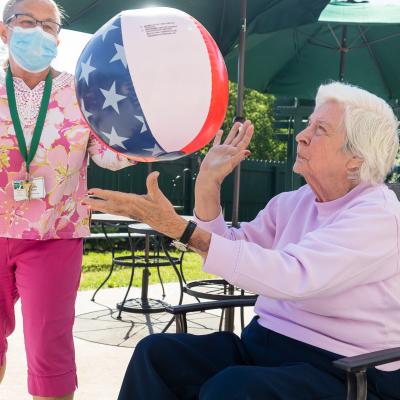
(61, 159)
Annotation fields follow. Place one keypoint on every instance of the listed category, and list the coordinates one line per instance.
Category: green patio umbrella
(220, 17)
(355, 42)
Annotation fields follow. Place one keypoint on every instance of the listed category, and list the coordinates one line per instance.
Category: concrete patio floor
(104, 345)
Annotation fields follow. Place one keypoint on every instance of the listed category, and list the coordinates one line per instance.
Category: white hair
(371, 129)
(9, 8)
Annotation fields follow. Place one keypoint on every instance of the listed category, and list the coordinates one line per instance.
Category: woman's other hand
(221, 159)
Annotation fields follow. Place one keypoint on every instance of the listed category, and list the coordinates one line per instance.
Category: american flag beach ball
(152, 84)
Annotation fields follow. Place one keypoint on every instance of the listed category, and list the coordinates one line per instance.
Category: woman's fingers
(241, 134)
(246, 139)
(108, 201)
(95, 192)
(97, 204)
(104, 194)
(217, 139)
(232, 133)
(153, 190)
(128, 204)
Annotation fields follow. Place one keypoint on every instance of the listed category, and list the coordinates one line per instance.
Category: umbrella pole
(239, 105)
(230, 312)
(343, 50)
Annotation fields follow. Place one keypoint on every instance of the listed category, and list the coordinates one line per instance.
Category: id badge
(29, 190)
(38, 190)
(20, 192)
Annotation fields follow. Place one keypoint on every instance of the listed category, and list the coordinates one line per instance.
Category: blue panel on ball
(107, 97)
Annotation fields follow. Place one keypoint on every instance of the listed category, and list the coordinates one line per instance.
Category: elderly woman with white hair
(324, 260)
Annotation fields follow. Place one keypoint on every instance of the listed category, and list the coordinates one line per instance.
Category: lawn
(97, 264)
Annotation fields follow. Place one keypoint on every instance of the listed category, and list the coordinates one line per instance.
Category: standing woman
(44, 147)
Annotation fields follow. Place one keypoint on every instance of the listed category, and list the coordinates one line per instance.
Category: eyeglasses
(26, 21)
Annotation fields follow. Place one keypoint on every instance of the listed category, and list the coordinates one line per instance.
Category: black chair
(180, 311)
(355, 367)
(219, 289)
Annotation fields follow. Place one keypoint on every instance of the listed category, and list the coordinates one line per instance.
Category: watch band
(188, 232)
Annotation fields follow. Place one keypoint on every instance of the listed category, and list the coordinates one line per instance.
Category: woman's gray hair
(9, 8)
(371, 129)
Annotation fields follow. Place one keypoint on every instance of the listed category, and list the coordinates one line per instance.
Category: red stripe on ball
(219, 95)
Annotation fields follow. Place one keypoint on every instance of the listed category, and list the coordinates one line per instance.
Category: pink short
(45, 274)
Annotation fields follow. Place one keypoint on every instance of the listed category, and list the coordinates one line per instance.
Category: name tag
(29, 190)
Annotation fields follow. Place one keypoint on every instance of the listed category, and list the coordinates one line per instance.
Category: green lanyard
(37, 133)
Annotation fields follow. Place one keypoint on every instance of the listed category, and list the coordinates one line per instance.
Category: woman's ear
(4, 32)
(353, 165)
(355, 162)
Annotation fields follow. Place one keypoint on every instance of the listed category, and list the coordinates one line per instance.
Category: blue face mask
(32, 49)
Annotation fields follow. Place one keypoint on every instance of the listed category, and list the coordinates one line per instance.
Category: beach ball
(152, 84)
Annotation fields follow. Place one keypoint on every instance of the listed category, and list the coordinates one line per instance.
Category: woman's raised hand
(221, 159)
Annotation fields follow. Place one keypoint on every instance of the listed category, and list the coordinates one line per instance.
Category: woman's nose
(304, 136)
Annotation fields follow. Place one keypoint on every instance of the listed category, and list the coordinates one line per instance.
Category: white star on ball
(119, 55)
(112, 98)
(144, 126)
(104, 31)
(85, 112)
(114, 138)
(87, 69)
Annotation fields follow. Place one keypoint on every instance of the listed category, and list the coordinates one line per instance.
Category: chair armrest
(364, 361)
(210, 305)
(180, 311)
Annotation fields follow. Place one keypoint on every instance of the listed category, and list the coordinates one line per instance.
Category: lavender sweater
(327, 274)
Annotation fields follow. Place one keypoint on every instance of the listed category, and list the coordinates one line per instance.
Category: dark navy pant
(261, 365)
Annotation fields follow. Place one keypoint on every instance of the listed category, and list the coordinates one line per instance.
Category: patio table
(158, 257)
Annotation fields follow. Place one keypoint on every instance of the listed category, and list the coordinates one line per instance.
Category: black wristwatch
(182, 243)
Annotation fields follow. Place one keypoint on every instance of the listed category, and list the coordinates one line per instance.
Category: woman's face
(41, 10)
(320, 156)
